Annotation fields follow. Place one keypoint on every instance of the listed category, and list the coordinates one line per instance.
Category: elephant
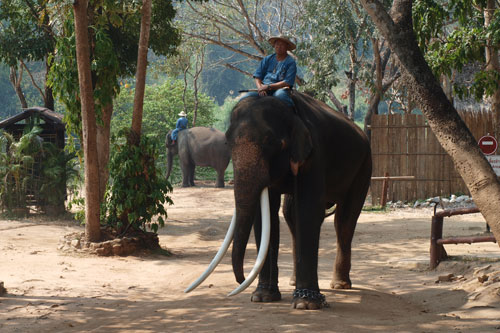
(200, 146)
(317, 158)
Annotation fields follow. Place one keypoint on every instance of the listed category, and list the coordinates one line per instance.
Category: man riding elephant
(181, 124)
(276, 73)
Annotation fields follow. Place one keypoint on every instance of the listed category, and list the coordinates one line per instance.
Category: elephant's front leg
(267, 290)
(185, 174)
(220, 178)
(308, 215)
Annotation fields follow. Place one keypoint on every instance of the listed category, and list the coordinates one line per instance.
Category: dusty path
(52, 291)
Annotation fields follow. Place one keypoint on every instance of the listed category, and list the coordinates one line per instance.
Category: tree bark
(16, 83)
(340, 107)
(142, 63)
(493, 64)
(450, 130)
(92, 208)
(49, 94)
(103, 143)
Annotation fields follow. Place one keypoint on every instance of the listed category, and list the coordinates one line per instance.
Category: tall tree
(189, 62)
(113, 42)
(338, 34)
(26, 34)
(450, 130)
(455, 34)
(89, 130)
(142, 63)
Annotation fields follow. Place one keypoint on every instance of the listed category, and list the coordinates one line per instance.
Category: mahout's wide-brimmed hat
(290, 45)
(182, 114)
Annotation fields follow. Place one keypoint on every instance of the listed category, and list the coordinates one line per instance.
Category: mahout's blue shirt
(182, 123)
(271, 70)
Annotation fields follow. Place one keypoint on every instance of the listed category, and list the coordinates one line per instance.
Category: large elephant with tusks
(315, 156)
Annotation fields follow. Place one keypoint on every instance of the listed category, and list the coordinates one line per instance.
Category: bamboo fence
(404, 145)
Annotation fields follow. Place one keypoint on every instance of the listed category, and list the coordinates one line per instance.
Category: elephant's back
(206, 135)
(319, 117)
(208, 146)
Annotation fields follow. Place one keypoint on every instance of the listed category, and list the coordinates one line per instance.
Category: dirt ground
(49, 290)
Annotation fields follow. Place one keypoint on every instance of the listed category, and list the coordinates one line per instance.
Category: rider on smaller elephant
(181, 124)
(276, 73)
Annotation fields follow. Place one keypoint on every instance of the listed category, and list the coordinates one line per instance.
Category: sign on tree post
(488, 145)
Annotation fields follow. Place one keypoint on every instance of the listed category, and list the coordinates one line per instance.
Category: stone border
(75, 242)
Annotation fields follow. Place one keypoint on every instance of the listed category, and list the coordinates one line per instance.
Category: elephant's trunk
(170, 159)
(245, 216)
(239, 248)
(250, 178)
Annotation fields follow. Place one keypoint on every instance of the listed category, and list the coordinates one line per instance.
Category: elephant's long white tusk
(218, 257)
(264, 243)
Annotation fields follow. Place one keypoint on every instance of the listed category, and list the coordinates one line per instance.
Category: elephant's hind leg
(346, 217)
(345, 223)
(191, 169)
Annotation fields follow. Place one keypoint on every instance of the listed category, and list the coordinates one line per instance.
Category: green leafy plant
(16, 162)
(137, 190)
(58, 169)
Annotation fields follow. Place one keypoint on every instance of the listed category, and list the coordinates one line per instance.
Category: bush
(137, 190)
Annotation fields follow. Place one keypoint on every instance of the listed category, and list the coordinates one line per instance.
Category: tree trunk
(493, 64)
(352, 77)
(340, 107)
(103, 143)
(92, 208)
(16, 83)
(49, 95)
(377, 93)
(450, 130)
(142, 64)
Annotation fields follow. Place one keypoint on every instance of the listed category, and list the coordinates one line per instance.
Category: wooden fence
(404, 145)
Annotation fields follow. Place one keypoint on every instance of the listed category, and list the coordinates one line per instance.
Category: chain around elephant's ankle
(311, 295)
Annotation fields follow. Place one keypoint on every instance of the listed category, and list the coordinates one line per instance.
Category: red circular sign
(488, 144)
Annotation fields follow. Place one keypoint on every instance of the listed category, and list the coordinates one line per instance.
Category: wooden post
(437, 251)
(385, 185)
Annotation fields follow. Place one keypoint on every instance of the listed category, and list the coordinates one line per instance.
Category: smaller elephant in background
(198, 146)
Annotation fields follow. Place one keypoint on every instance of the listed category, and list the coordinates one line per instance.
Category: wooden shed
(53, 131)
(50, 122)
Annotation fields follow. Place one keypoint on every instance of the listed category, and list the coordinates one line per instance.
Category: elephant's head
(172, 150)
(268, 145)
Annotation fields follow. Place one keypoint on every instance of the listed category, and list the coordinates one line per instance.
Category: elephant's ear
(300, 146)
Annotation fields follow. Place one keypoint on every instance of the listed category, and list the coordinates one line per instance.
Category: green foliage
(162, 104)
(453, 34)
(137, 190)
(114, 34)
(428, 19)
(29, 166)
(25, 34)
(63, 78)
(330, 28)
(59, 169)
(223, 113)
(16, 162)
